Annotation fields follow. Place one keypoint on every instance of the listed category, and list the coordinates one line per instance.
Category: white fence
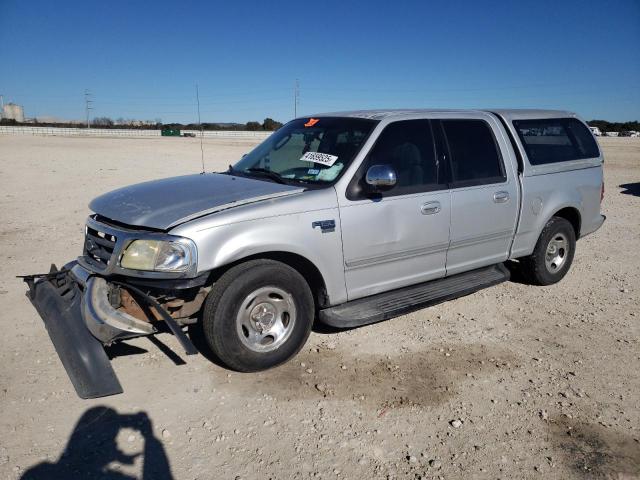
(227, 133)
(75, 132)
(108, 132)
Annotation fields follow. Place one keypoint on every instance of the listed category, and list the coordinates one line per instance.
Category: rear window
(555, 140)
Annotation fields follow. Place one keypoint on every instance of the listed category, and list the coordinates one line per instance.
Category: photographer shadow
(92, 450)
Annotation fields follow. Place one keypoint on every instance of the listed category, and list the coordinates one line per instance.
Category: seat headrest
(407, 154)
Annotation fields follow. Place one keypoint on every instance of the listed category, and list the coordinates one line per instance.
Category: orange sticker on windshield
(312, 122)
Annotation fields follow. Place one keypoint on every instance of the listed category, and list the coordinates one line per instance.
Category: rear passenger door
(484, 194)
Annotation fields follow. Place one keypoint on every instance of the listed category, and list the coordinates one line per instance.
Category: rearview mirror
(381, 177)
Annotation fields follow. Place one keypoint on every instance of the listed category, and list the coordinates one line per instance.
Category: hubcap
(266, 318)
(557, 252)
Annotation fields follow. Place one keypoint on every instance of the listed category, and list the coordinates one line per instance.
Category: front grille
(98, 246)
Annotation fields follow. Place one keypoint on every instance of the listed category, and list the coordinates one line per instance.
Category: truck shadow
(92, 450)
(515, 270)
(631, 189)
(124, 349)
(196, 335)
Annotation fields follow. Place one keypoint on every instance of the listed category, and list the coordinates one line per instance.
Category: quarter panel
(544, 195)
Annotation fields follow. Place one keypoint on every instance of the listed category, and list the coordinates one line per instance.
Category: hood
(163, 204)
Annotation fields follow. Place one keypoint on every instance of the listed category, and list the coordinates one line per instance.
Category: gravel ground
(511, 382)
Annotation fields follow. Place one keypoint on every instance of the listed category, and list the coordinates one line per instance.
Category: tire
(552, 255)
(258, 315)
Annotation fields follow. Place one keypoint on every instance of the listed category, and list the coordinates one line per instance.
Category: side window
(556, 140)
(408, 147)
(474, 153)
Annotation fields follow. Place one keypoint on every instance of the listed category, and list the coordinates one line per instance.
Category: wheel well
(303, 266)
(572, 215)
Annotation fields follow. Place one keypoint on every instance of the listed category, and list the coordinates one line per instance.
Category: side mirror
(381, 177)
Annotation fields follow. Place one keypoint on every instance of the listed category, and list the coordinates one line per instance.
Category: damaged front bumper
(80, 319)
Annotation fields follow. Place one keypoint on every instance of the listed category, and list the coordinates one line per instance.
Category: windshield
(309, 150)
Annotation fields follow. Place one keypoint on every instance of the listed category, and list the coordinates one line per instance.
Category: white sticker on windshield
(317, 157)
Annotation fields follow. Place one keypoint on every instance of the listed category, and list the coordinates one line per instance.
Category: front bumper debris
(76, 311)
(103, 321)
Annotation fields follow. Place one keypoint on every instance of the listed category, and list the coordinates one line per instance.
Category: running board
(384, 306)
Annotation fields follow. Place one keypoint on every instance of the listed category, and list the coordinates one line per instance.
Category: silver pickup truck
(346, 218)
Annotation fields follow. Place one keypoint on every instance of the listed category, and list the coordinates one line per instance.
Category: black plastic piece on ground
(391, 304)
(57, 299)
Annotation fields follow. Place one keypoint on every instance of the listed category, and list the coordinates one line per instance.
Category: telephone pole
(200, 125)
(87, 105)
(296, 98)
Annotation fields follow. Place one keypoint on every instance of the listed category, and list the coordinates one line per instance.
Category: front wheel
(258, 315)
(553, 253)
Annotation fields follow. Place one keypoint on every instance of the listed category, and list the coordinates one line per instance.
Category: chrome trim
(501, 197)
(390, 257)
(124, 236)
(105, 322)
(381, 176)
(430, 208)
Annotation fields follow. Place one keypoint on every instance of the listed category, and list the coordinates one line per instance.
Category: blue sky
(143, 59)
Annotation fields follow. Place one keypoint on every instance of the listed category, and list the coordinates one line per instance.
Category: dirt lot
(545, 382)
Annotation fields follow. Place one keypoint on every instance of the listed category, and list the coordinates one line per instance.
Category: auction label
(317, 157)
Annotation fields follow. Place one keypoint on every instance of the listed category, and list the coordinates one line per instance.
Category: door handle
(430, 208)
(501, 197)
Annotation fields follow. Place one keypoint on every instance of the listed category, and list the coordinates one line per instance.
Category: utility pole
(296, 98)
(200, 125)
(87, 105)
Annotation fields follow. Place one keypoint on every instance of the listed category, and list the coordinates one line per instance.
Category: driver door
(400, 236)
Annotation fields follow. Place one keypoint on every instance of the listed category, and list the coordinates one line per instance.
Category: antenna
(296, 98)
(87, 104)
(200, 125)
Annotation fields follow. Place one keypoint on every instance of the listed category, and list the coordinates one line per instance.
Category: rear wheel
(553, 253)
(258, 315)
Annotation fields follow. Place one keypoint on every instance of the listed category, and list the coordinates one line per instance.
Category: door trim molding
(468, 241)
(390, 257)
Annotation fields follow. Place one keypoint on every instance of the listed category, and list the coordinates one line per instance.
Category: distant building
(611, 134)
(12, 111)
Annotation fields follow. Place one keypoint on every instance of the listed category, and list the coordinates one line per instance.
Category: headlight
(159, 255)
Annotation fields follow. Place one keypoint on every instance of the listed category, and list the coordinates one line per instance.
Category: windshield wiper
(267, 173)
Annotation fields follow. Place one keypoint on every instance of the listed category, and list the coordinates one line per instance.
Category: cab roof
(385, 114)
